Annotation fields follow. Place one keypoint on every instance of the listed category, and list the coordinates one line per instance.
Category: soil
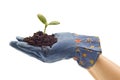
(40, 39)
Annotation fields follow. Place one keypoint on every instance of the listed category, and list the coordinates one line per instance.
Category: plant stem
(45, 28)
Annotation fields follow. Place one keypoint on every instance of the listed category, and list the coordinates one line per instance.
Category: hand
(84, 49)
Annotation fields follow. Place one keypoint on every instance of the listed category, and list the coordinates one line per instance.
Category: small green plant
(44, 21)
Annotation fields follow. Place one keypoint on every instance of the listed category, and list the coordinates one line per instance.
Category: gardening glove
(84, 49)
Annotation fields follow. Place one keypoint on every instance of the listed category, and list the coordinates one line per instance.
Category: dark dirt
(40, 39)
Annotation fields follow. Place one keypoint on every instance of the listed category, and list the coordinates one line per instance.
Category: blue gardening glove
(84, 49)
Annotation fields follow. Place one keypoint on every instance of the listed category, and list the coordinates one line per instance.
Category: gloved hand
(84, 49)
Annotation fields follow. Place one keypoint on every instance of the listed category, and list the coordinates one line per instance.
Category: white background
(89, 17)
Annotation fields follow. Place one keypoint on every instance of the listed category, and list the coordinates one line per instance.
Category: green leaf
(54, 23)
(42, 18)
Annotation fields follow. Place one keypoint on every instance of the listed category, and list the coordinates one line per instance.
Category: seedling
(41, 38)
(44, 21)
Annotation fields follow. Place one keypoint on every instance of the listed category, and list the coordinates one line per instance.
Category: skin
(105, 69)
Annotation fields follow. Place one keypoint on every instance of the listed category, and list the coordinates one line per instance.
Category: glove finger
(27, 51)
(23, 45)
(14, 44)
(28, 47)
(35, 50)
(19, 38)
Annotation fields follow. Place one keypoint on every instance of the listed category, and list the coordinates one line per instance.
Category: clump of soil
(40, 39)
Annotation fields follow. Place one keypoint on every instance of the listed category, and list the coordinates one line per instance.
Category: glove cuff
(87, 59)
(87, 50)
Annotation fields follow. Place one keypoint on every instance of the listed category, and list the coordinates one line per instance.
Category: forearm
(104, 69)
